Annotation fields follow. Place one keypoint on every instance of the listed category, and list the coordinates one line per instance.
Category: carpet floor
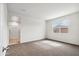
(43, 48)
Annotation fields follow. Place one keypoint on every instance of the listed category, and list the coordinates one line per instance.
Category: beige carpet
(43, 48)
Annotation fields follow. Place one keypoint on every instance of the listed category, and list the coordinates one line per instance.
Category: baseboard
(30, 41)
(33, 41)
(61, 42)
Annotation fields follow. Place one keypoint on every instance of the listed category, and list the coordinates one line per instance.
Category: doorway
(14, 31)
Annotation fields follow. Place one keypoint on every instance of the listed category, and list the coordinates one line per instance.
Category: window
(60, 26)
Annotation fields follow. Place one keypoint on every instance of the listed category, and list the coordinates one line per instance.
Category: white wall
(3, 28)
(31, 28)
(71, 37)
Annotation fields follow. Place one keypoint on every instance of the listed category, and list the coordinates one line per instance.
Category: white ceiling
(43, 11)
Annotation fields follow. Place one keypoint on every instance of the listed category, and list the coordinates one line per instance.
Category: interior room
(39, 29)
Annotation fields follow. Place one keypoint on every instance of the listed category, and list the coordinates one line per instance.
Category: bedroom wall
(72, 36)
(3, 28)
(31, 29)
